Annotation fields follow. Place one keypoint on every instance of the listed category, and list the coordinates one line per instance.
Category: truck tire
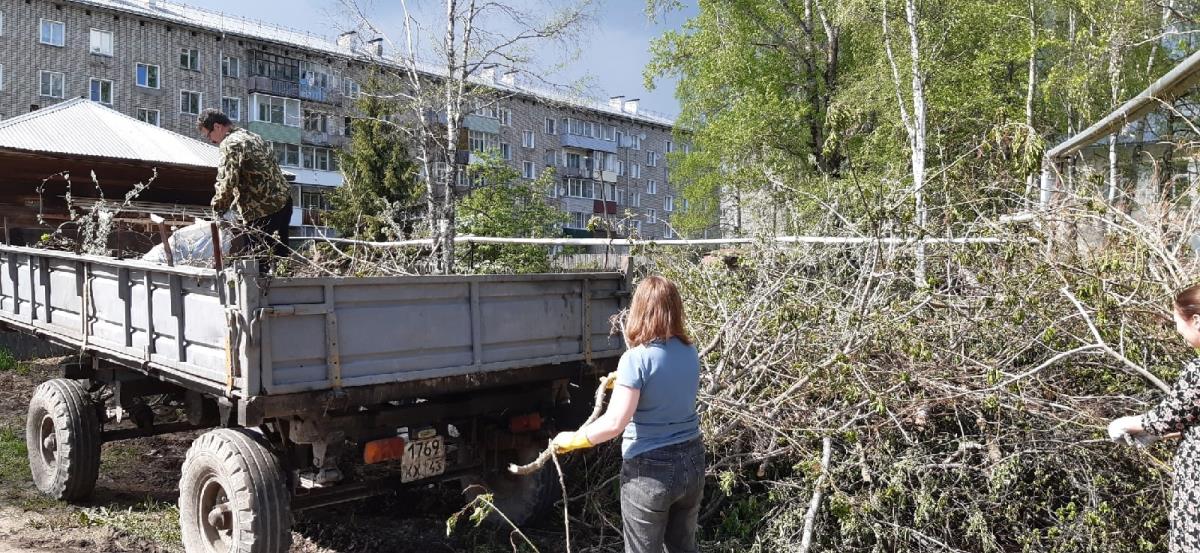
(62, 434)
(234, 496)
(523, 499)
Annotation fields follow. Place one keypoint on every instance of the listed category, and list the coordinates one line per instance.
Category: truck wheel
(522, 499)
(233, 496)
(62, 434)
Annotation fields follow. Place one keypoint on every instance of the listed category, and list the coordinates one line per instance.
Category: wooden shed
(77, 153)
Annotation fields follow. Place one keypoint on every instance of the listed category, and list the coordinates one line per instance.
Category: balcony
(318, 138)
(574, 172)
(585, 143)
(607, 208)
(320, 94)
(274, 87)
(577, 232)
(606, 176)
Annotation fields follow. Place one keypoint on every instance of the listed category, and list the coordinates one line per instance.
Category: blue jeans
(661, 491)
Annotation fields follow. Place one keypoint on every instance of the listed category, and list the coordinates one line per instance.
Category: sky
(609, 63)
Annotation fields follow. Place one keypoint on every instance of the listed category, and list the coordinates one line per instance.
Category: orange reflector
(525, 423)
(387, 449)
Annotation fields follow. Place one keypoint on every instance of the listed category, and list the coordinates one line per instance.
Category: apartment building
(163, 63)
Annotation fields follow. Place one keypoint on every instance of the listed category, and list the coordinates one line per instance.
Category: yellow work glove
(566, 442)
(609, 380)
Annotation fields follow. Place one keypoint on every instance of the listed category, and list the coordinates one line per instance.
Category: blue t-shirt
(668, 375)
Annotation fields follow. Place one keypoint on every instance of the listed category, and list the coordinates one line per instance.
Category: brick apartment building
(163, 62)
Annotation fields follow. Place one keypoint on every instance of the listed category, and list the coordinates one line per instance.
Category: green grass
(155, 521)
(9, 362)
(14, 460)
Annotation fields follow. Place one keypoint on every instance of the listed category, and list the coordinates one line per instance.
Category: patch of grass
(14, 458)
(156, 521)
(9, 362)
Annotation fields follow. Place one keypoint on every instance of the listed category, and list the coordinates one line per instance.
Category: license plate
(423, 458)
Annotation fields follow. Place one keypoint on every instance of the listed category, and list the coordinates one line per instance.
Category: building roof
(80, 127)
(249, 28)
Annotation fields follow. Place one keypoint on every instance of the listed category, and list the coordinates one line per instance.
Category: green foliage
(380, 199)
(9, 362)
(505, 205)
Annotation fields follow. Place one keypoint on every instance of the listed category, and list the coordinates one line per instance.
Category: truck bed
(243, 336)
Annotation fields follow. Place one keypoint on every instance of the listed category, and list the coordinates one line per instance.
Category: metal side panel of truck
(237, 335)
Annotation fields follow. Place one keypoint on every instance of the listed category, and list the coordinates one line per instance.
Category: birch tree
(449, 70)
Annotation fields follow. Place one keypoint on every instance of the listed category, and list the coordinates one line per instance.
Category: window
(316, 158)
(346, 126)
(574, 161)
(100, 90)
(480, 141)
(687, 148)
(635, 226)
(578, 219)
(651, 159)
(668, 232)
(506, 117)
(273, 66)
(273, 109)
(189, 58)
(527, 170)
(550, 126)
(148, 116)
(315, 75)
(286, 154)
(505, 151)
(620, 195)
(580, 188)
(487, 109)
(232, 107)
(189, 102)
(610, 132)
(685, 204)
(1, 76)
(145, 75)
(651, 216)
(651, 187)
(51, 83)
(620, 167)
(670, 147)
(635, 199)
(621, 139)
(101, 42)
(316, 121)
(350, 88)
(550, 158)
(669, 204)
(527, 140)
(231, 67)
(52, 32)
(1, 23)
(635, 171)
(610, 192)
(635, 142)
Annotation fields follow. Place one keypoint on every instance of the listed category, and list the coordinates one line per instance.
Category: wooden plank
(587, 321)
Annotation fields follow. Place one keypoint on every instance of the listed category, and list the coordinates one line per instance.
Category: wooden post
(166, 239)
(216, 242)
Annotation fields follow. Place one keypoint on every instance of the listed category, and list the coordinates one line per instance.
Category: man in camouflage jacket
(250, 181)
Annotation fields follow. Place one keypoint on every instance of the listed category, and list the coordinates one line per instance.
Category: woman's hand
(566, 442)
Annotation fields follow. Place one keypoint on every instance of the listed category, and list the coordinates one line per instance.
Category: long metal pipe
(1165, 89)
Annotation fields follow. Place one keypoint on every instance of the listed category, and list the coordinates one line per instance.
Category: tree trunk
(918, 135)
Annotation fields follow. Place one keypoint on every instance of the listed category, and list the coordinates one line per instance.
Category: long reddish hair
(656, 313)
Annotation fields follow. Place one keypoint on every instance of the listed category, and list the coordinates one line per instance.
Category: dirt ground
(134, 506)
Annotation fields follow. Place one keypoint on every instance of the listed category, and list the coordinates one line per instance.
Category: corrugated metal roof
(224, 23)
(85, 128)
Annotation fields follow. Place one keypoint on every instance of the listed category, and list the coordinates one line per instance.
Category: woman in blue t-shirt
(653, 406)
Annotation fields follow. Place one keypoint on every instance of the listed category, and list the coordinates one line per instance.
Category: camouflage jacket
(248, 177)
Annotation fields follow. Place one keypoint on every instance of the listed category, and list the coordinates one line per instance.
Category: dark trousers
(661, 491)
(270, 233)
